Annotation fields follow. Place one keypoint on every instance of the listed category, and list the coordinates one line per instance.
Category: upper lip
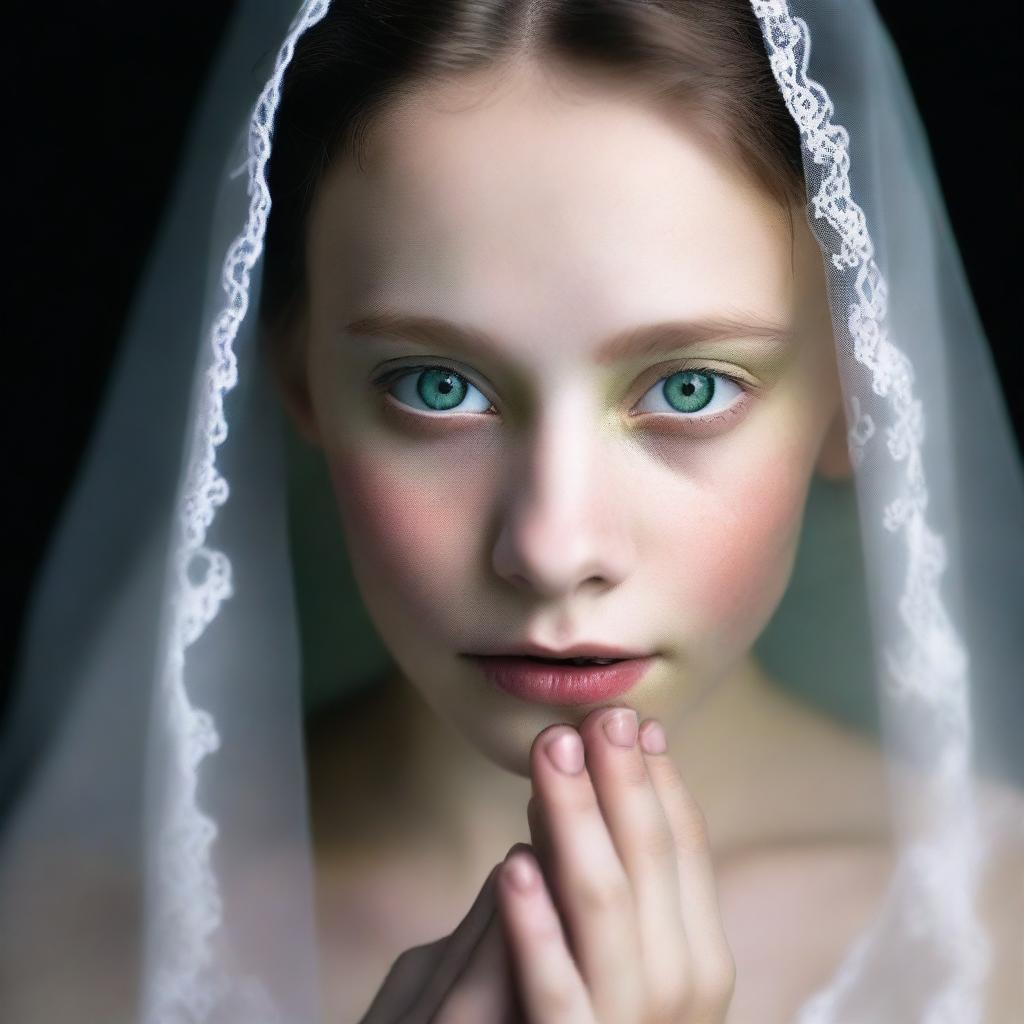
(580, 650)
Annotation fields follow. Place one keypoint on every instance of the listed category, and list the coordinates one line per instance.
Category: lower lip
(548, 683)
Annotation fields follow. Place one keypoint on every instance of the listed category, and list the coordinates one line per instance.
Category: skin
(601, 937)
(469, 530)
(564, 501)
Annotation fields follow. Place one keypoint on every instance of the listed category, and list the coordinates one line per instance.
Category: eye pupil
(689, 391)
(441, 389)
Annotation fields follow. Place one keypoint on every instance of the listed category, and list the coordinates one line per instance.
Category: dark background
(97, 106)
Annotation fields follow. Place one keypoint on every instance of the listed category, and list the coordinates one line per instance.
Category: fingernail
(652, 739)
(565, 751)
(620, 726)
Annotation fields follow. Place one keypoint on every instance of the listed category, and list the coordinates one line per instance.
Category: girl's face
(571, 484)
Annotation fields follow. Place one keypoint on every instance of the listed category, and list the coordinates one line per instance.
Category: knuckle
(670, 781)
(683, 811)
(633, 772)
(658, 842)
(715, 981)
(555, 1001)
(693, 830)
(724, 975)
(667, 1004)
(602, 895)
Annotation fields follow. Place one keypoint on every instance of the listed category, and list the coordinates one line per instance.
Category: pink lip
(561, 684)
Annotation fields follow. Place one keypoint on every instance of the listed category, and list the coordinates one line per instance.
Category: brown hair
(705, 58)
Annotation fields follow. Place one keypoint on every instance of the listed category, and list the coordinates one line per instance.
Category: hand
(616, 919)
(462, 978)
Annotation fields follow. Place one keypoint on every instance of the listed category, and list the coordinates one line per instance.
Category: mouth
(566, 661)
(585, 651)
(575, 680)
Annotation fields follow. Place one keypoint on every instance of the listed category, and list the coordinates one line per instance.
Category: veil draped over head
(155, 854)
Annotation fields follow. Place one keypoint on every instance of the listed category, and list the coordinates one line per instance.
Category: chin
(506, 736)
(507, 743)
(515, 762)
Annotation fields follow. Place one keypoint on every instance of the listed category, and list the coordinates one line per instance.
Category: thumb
(455, 950)
(415, 969)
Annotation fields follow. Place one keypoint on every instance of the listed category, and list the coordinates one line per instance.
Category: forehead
(549, 205)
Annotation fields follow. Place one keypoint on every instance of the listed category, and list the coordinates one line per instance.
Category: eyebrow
(647, 339)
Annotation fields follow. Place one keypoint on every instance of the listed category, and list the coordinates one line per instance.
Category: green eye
(440, 389)
(691, 392)
(435, 389)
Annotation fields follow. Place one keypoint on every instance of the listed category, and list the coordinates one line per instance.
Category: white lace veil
(155, 860)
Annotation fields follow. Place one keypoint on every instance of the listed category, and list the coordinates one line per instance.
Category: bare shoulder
(791, 884)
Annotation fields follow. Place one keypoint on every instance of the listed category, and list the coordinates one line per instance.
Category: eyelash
(382, 382)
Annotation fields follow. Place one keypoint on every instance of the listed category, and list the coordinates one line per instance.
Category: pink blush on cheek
(386, 512)
(748, 542)
(410, 526)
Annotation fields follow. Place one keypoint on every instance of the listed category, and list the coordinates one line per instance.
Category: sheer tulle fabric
(155, 861)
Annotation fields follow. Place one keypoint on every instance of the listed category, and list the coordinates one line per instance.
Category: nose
(565, 521)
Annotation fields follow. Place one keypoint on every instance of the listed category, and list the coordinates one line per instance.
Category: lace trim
(183, 982)
(930, 899)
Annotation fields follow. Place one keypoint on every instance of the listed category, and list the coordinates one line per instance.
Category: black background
(97, 104)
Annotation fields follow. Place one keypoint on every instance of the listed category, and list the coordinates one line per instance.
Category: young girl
(559, 327)
(574, 311)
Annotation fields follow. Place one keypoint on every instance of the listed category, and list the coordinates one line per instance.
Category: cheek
(741, 541)
(753, 513)
(412, 524)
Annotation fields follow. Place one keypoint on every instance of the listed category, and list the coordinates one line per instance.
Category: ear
(288, 351)
(833, 461)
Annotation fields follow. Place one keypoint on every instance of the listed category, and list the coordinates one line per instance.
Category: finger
(548, 983)
(644, 841)
(539, 838)
(402, 984)
(484, 989)
(412, 971)
(454, 951)
(712, 968)
(587, 881)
